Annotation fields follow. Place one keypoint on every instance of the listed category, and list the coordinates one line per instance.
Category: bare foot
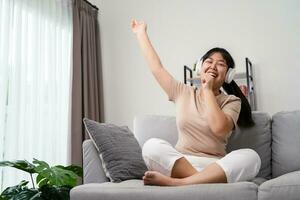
(156, 178)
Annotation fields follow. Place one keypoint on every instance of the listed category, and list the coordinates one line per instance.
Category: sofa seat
(278, 188)
(135, 189)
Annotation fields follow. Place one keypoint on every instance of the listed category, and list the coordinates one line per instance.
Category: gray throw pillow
(118, 149)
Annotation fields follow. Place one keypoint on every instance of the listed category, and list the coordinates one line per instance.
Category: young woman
(205, 119)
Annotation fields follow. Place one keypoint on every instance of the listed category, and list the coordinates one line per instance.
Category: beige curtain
(87, 99)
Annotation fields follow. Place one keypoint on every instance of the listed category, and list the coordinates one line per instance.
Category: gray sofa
(276, 140)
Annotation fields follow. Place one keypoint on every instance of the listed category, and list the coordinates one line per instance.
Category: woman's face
(216, 66)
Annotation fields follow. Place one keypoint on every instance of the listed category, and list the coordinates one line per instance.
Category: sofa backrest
(155, 126)
(257, 137)
(285, 142)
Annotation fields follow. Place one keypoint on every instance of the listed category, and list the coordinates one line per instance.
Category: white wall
(268, 32)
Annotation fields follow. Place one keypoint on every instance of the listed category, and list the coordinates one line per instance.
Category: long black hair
(245, 117)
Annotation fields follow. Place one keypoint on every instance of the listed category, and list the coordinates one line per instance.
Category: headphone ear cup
(198, 67)
(230, 75)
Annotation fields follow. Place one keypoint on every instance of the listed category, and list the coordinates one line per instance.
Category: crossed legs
(183, 173)
(169, 167)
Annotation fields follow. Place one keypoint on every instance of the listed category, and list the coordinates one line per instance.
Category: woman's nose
(213, 66)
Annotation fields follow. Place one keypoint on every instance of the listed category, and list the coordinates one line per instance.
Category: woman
(205, 119)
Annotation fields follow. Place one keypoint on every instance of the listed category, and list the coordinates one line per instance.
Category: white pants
(238, 165)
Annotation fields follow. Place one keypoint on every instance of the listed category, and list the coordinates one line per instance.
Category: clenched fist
(138, 26)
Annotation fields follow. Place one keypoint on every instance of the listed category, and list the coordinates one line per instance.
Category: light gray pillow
(119, 151)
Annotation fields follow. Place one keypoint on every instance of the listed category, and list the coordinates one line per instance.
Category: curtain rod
(91, 4)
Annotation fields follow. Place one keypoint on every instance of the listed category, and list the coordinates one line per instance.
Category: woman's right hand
(138, 27)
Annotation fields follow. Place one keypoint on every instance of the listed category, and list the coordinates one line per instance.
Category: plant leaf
(40, 165)
(54, 175)
(10, 191)
(20, 192)
(43, 170)
(40, 180)
(23, 165)
(62, 177)
(76, 169)
(37, 196)
(28, 194)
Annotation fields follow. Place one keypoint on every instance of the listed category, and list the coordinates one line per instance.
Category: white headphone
(229, 75)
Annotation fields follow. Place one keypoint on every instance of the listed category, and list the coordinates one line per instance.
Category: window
(35, 72)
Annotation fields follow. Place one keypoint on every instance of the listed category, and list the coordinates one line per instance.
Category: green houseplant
(52, 183)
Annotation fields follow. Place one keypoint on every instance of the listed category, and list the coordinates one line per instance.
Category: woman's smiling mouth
(214, 74)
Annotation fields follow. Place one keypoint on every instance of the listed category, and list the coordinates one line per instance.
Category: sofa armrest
(92, 167)
(286, 186)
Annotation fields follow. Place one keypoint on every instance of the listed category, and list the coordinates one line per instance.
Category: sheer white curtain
(35, 72)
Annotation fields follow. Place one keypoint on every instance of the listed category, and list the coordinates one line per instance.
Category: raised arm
(160, 73)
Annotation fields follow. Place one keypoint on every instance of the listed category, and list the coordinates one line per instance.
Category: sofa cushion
(155, 126)
(134, 189)
(285, 142)
(118, 149)
(283, 187)
(258, 180)
(257, 138)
